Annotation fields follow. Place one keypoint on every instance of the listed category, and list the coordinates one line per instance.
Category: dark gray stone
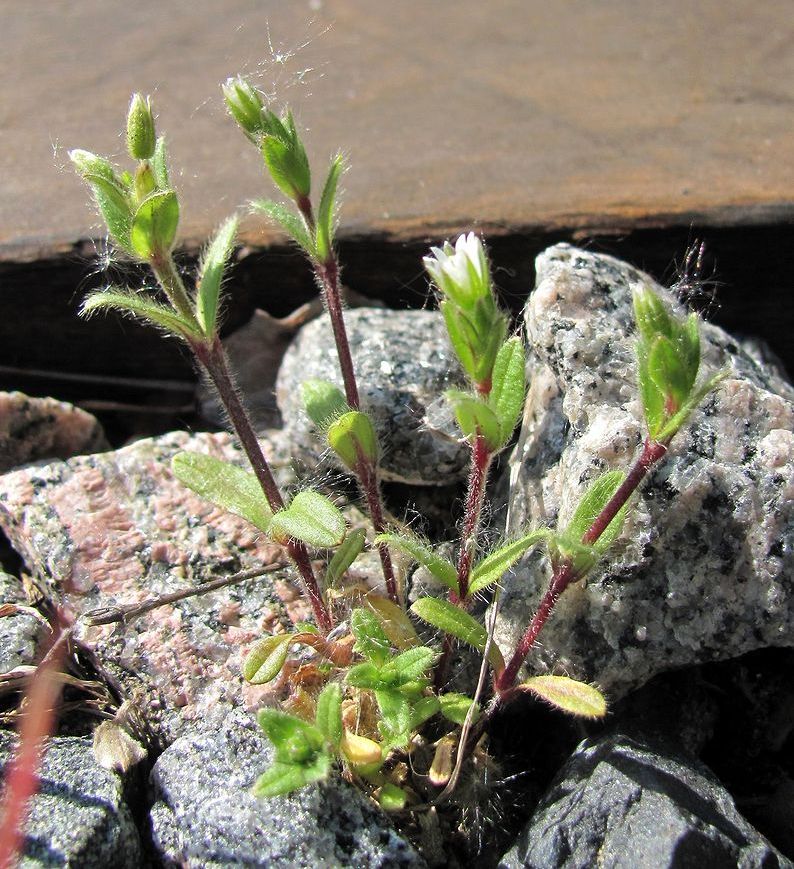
(622, 803)
(79, 817)
(21, 633)
(205, 815)
(404, 364)
(704, 570)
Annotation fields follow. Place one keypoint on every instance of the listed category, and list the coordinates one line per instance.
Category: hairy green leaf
(154, 224)
(114, 205)
(225, 485)
(366, 675)
(475, 417)
(494, 566)
(371, 641)
(266, 658)
(287, 164)
(675, 422)
(455, 707)
(139, 306)
(453, 620)
(325, 213)
(285, 778)
(567, 694)
(652, 396)
(409, 666)
(395, 711)
(292, 224)
(352, 437)
(442, 569)
(423, 709)
(159, 165)
(212, 268)
(311, 518)
(395, 622)
(651, 315)
(344, 556)
(294, 740)
(328, 717)
(597, 496)
(668, 370)
(508, 385)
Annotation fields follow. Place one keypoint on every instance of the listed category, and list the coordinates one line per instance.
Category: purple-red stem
(565, 574)
(328, 275)
(213, 359)
(478, 474)
(367, 474)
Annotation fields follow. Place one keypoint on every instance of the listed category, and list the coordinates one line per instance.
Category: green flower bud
(141, 137)
(245, 106)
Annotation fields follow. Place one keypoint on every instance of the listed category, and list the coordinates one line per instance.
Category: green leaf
(475, 417)
(292, 224)
(364, 675)
(668, 370)
(325, 213)
(392, 798)
(395, 711)
(409, 666)
(225, 485)
(323, 402)
(371, 641)
(266, 658)
(311, 518)
(328, 717)
(494, 566)
(394, 620)
(114, 205)
(294, 740)
(344, 556)
(160, 166)
(288, 167)
(442, 569)
(508, 385)
(139, 306)
(597, 496)
(453, 620)
(652, 396)
(154, 225)
(569, 695)
(211, 270)
(651, 315)
(423, 709)
(453, 318)
(352, 437)
(455, 707)
(285, 778)
(675, 422)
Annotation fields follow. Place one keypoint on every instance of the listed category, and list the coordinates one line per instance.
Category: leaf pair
(494, 418)
(476, 334)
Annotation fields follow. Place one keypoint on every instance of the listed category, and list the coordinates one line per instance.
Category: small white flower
(461, 273)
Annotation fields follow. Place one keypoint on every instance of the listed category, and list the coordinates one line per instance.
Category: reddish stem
(367, 474)
(565, 574)
(478, 473)
(328, 276)
(213, 358)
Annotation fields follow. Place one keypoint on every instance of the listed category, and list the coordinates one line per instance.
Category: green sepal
(212, 267)
(352, 437)
(225, 485)
(154, 225)
(453, 620)
(392, 798)
(245, 105)
(325, 213)
(590, 506)
(311, 518)
(139, 306)
(292, 224)
(328, 717)
(475, 417)
(324, 402)
(143, 183)
(508, 385)
(371, 641)
(264, 661)
(455, 707)
(569, 695)
(441, 568)
(287, 163)
(494, 566)
(344, 556)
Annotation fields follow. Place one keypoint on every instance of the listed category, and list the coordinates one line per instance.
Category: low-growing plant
(379, 683)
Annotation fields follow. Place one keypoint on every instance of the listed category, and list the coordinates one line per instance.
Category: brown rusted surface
(511, 114)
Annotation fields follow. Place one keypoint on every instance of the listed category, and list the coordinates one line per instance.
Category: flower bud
(245, 106)
(141, 137)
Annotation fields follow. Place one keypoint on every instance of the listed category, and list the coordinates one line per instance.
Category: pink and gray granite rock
(704, 570)
(21, 633)
(404, 364)
(32, 429)
(116, 528)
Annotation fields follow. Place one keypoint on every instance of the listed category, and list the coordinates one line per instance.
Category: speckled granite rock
(117, 528)
(79, 816)
(204, 814)
(622, 802)
(403, 363)
(705, 570)
(20, 633)
(43, 428)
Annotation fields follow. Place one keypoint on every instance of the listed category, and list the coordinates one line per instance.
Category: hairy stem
(367, 475)
(565, 573)
(328, 275)
(213, 359)
(478, 476)
(167, 274)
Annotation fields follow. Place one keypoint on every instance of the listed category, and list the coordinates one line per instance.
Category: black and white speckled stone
(205, 815)
(21, 634)
(404, 364)
(704, 570)
(79, 816)
(624, 803)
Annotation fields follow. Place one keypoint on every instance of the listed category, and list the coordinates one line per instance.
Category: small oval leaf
(266, 658)
(311, 518)
(154, 224)
(569, 695)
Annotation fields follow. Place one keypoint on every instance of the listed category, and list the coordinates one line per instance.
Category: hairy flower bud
(141, 137)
